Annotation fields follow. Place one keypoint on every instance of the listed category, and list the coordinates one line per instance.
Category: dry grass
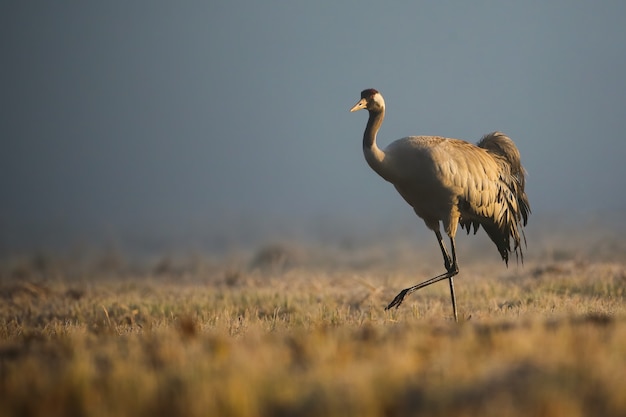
(288, 334)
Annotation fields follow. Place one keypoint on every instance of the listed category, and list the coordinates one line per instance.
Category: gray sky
(167, 117)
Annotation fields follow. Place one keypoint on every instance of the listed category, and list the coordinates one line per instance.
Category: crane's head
(370, 100)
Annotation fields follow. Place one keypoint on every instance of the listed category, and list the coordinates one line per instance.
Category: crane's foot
(400, 297)
(398, 300)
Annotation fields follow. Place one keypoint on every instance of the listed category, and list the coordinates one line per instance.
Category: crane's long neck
(374, 156)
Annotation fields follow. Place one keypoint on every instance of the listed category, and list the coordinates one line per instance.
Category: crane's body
(452, 182)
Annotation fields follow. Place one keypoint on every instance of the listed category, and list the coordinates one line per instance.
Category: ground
(300, 330)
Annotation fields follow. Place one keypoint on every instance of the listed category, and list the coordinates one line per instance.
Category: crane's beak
(360, 105)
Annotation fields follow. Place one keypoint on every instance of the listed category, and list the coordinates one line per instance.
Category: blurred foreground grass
(278, 333)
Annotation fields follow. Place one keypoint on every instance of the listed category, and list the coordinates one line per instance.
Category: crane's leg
(450, 265)
(456, 316)
(451, 270)
(454, 269)
(447, 261)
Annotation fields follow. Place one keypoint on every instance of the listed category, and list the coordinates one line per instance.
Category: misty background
(221, 122)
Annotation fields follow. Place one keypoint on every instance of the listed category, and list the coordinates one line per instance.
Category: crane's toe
(398, 300)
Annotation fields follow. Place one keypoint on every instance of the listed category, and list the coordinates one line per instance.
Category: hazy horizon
(231, 118)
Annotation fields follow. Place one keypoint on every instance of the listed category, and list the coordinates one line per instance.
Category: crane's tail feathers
(501, 146)
(514, 208)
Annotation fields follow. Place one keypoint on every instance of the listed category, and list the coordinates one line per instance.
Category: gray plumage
(452, 182)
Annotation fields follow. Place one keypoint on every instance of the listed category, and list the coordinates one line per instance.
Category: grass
(282, 333)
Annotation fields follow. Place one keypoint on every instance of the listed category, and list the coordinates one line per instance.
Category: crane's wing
(494, 195)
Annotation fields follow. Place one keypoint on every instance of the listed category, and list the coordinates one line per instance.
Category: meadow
(297, 330)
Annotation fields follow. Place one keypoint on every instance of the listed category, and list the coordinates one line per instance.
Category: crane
(452, 182)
